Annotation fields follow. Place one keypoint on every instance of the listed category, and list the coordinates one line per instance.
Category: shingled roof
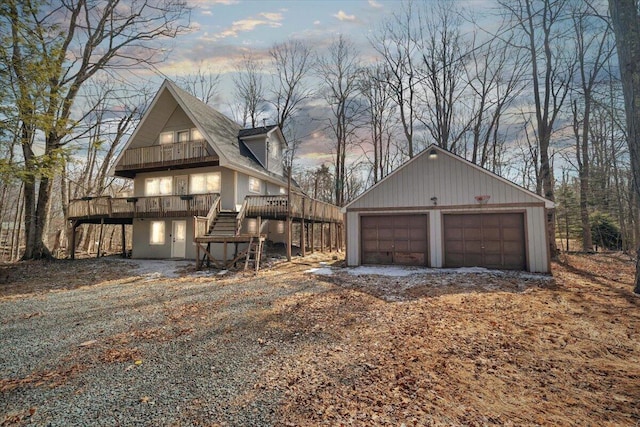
(221, 132)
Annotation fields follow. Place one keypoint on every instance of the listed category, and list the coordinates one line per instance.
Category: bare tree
(339, 71)
(374, 86)
(55, 48)
(203, 84)
(292, 63)
(592, 40)
(625, 17)
(443, 75)
(495, 79)
(249, 90)
(396, 43)
(542, 24)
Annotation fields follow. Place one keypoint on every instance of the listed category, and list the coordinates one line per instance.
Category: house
(201, 183)
(440, 210)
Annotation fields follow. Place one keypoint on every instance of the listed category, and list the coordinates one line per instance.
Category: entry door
(181, 185)
(179, 239)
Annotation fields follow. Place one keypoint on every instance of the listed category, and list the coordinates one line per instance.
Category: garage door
(493, 240)
(394, 239)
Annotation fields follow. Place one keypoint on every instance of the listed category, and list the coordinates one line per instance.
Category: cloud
(374, 3)
(316, 22)
(265, 18)
(342, 16)
(207, 12)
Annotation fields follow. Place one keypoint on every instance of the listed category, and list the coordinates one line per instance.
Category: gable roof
(217, 129)
(260, 130)
(419, 160)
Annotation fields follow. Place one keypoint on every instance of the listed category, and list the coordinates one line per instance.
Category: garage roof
(437, 176)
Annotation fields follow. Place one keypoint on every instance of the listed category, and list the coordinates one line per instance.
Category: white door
(179, 239)
(181, 185)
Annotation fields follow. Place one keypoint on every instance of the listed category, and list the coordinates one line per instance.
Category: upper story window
(204, 183)
(254, 185)
(183, 136)
(161, 186)
(283, 190)
(166, 137)
(196, 135)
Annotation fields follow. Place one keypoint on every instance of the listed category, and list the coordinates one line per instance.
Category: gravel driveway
(152, 349)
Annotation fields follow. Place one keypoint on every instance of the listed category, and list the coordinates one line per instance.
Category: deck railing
(202, 224)
(165, 153)
(140, 207)
(301, 207)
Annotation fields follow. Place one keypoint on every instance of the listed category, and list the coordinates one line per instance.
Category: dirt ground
(436, 349)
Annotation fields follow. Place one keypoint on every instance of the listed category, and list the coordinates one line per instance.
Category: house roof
(439, 150)
(261, 130)
(220, 132)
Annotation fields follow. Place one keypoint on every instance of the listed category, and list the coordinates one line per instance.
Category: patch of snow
(386, 271)
(323, 271)
(156, 269)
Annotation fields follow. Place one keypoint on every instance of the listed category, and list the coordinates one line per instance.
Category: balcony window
(205, 183)
(196, 135)
(283, 190)
(156, 235)
(161, 186)
(280, 229)
(166, 137)
(254, 185)
(183, 136)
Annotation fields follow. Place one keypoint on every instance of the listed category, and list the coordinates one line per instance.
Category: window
(166, 137)
(283, 190)
(254, 185)
(157, 233)
(280, 229)
(158, 186)
(252, 226)
(196, 135)
(205, 183)
(183, 136)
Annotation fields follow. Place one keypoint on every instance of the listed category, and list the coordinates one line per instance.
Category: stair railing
(202, 224)
(240, 217)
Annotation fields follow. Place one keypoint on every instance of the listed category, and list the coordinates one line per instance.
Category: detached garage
(439, 210)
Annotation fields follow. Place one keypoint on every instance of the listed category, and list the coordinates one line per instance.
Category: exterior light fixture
(434, 199)
(433, 154)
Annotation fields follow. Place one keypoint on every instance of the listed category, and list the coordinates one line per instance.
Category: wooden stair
(224, 224)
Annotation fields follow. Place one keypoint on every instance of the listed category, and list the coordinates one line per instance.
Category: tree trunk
(625, 18)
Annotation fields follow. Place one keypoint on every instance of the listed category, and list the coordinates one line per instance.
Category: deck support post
(289, 214)
(331, 236)
(302, 238)
(322, 237)
(312, 241)
(100, 238)
(74, 225)
(124, 241)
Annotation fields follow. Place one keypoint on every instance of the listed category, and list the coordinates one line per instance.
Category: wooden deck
(106, 209)
(180, 155)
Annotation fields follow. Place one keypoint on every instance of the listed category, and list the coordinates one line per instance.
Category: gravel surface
(154, 350)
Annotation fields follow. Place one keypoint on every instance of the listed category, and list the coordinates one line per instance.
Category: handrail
(302, 206)
(194, 149)
(208, 220)
(241, 214)
(142, 206)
